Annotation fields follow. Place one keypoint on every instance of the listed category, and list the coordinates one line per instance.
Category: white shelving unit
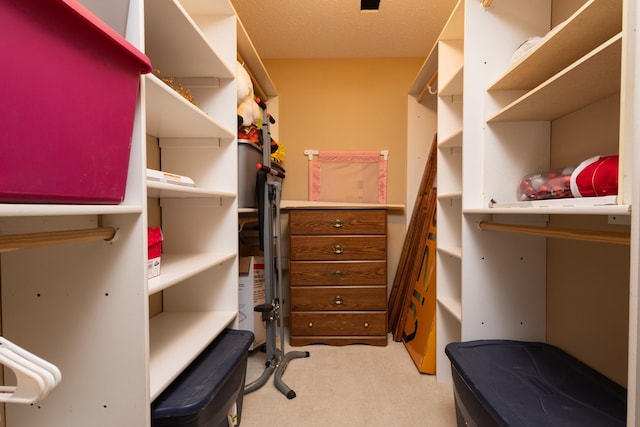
(569, 98)
(83, 306)
(193, 43)
(89, 307)
(447, 60)
(450, 59)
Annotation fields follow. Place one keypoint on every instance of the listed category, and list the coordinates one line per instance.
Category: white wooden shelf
(455, 252)
(176, 268)
(452, 306)
(606, 205)
(172, 191)
(450, 79)
(176, 339)
(453, 140)
(456, 195)
(248, 53)
(429, 67)
(591, 78)
(199, 7)
(454, 28)
(177, 46)
(567, 42)
(170, 115)
(15, 210)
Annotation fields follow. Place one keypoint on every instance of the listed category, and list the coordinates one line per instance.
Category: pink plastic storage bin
(69, 89)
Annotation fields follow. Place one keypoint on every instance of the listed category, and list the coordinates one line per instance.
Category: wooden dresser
(338, 276)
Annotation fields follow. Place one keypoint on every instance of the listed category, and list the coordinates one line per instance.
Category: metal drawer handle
(338, 300)
(338, 273)
(337, 249)
(366, 324)
(310, 324)
(337, 223)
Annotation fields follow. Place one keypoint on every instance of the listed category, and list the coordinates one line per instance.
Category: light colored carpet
(355, 385)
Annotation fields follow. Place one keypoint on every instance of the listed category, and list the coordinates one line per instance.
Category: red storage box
(69, 91)
(154, 241)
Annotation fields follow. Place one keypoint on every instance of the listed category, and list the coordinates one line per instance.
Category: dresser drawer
(339, 323)
(311, 273)
(338, 298)
(335, 248)
(337, 221)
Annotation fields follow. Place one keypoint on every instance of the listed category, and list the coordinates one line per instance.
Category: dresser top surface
(306, 204)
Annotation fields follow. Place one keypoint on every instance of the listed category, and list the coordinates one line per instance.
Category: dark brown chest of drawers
(338, 276)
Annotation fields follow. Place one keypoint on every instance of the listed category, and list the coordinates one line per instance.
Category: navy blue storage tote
(515, 383)
(208, 389)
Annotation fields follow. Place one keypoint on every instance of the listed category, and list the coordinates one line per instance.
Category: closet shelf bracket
(428, 87)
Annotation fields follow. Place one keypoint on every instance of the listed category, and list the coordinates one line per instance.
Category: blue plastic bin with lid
(210, 388)
(530, 384)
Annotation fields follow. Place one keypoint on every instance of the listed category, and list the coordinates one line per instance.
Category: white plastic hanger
(57, 375)
(35, 377)
(30, 386)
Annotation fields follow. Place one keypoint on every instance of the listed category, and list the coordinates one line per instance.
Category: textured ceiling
(338, 29)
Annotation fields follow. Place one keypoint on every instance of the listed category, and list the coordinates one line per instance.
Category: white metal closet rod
(560, 233)
(49, 238)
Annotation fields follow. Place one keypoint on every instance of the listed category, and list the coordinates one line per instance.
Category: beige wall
(343, 104)
(587, 283)
(346, 104)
